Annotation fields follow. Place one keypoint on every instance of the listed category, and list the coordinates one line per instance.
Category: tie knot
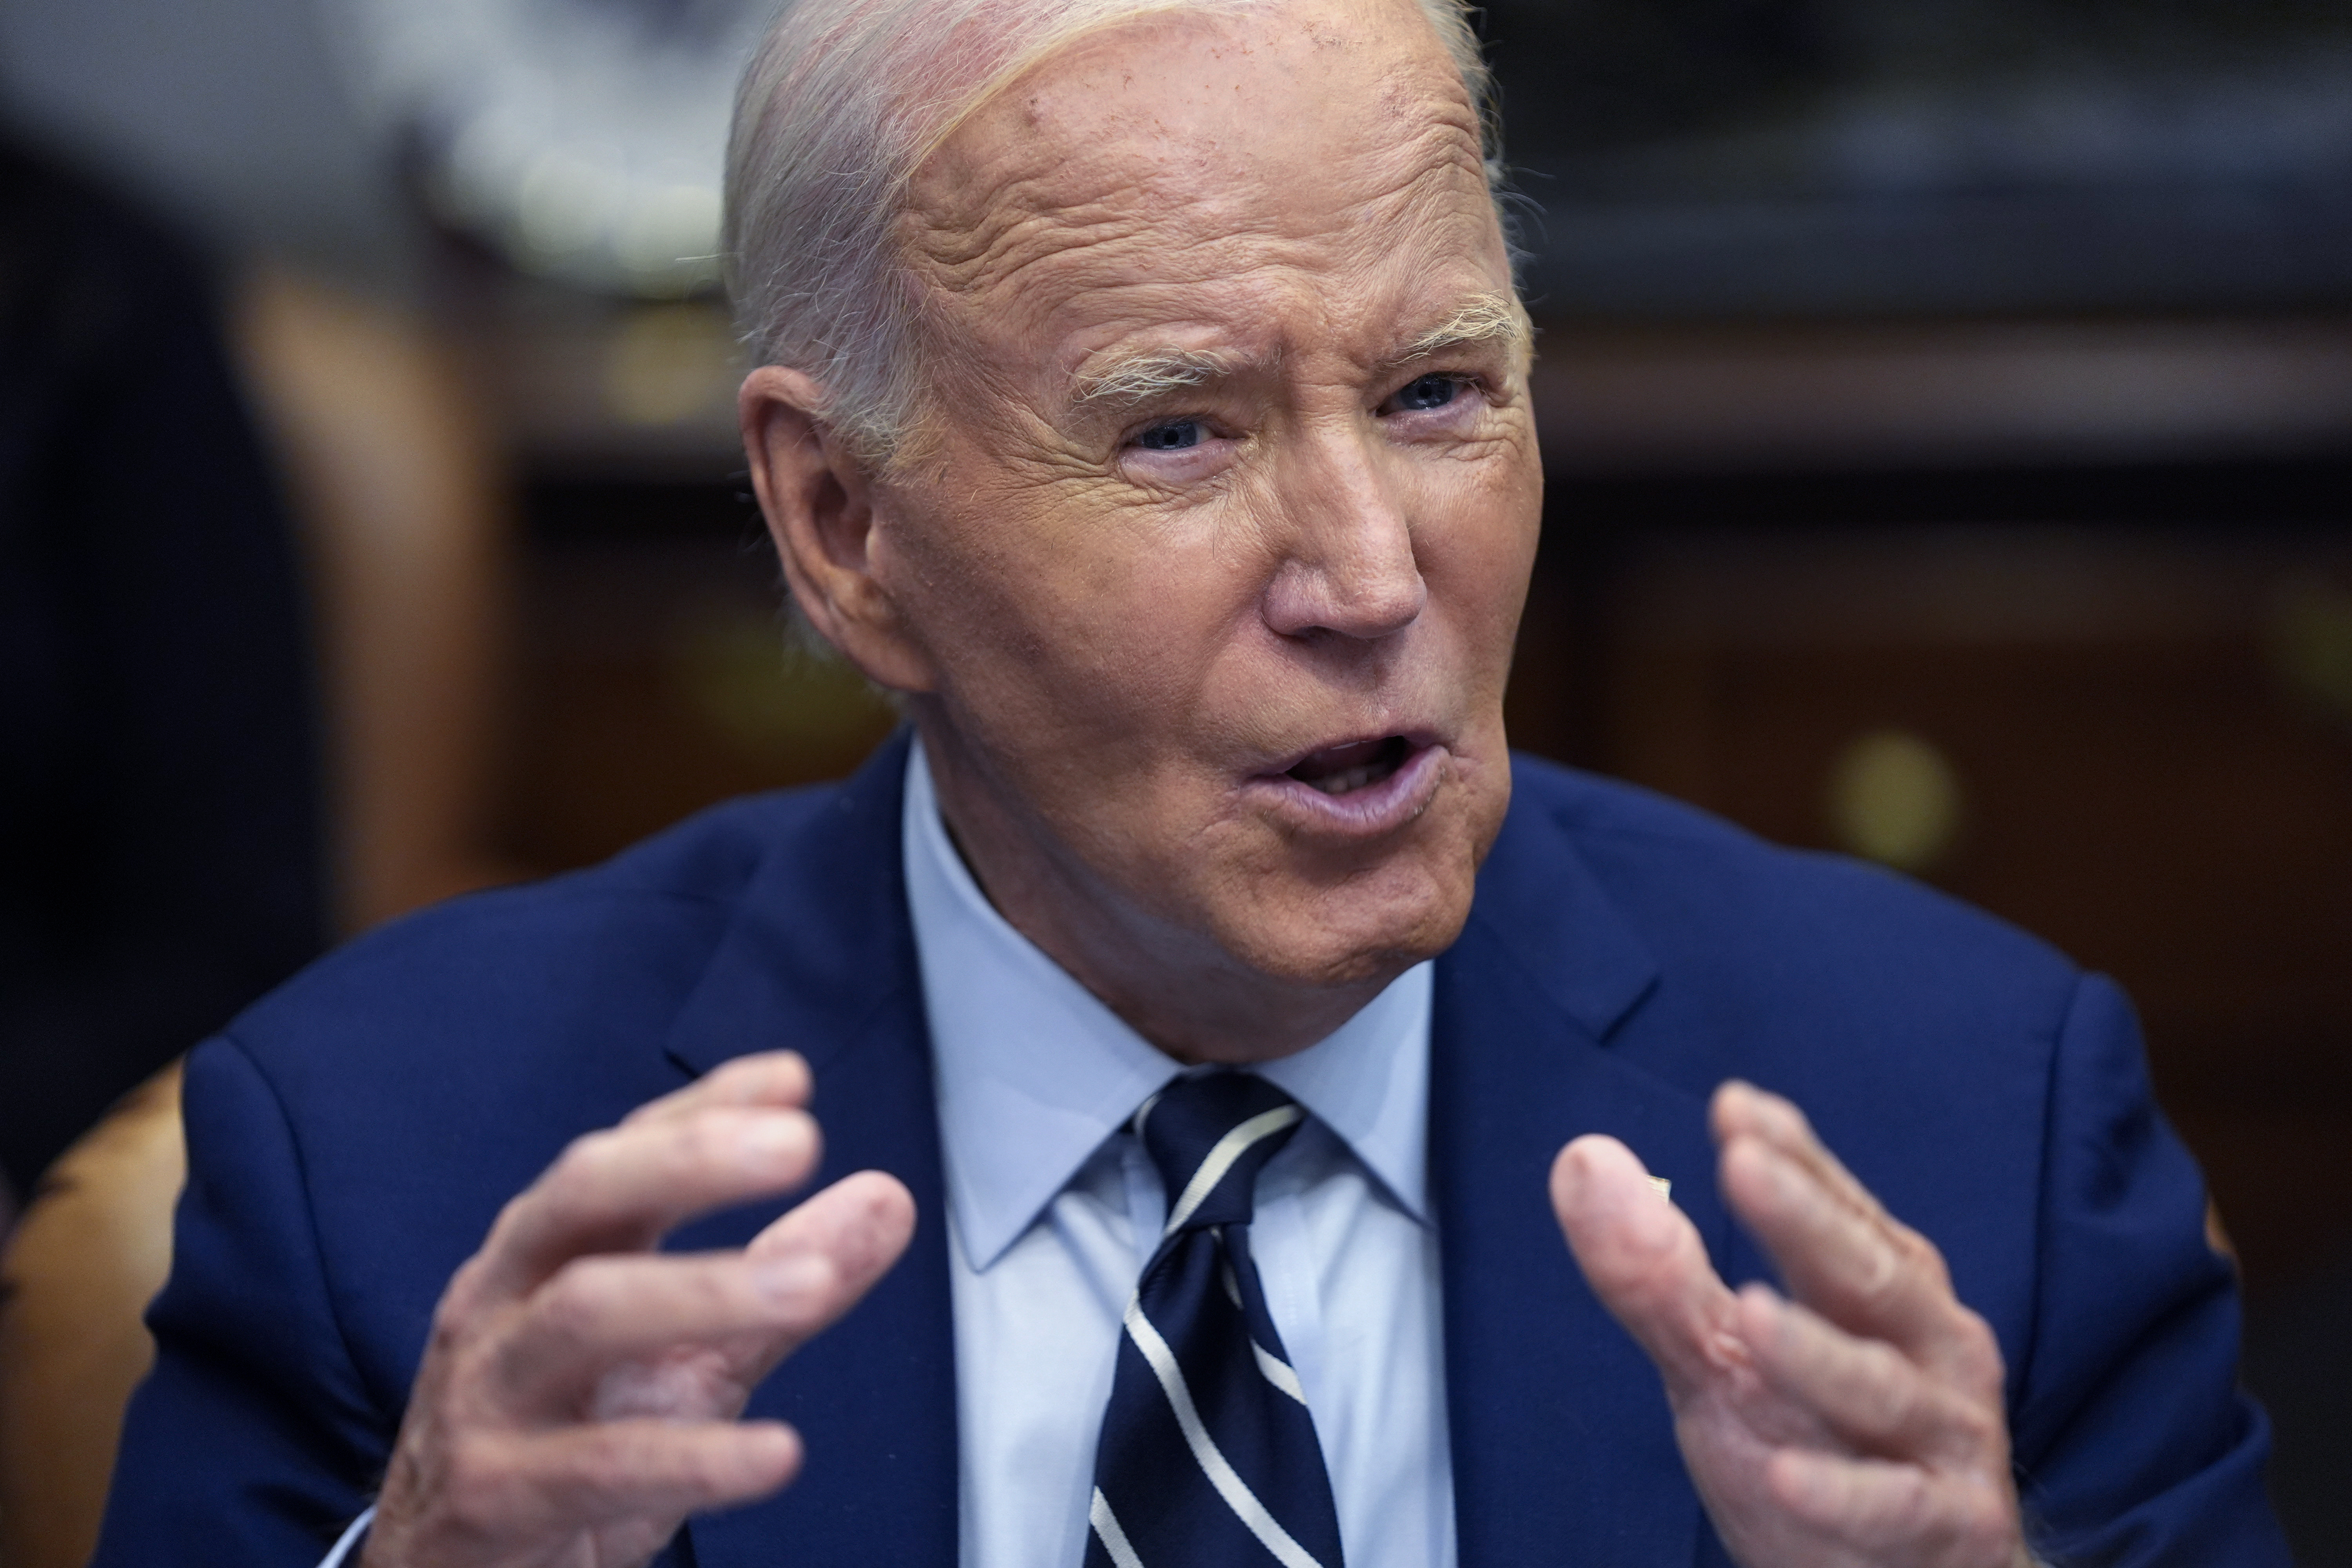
(1210, 1134)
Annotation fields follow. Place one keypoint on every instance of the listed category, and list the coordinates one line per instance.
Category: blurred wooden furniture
(403, 499)
(89, 1253)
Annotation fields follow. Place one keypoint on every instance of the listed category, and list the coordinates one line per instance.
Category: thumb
(1644, 1260)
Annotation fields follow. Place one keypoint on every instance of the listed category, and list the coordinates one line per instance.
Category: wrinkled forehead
(1191, 161)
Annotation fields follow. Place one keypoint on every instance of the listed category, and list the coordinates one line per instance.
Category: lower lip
(1365, 813)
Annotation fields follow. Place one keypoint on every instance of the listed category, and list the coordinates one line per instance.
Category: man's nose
(1348, 565)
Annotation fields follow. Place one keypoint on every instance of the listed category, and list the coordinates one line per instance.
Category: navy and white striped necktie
(1208, 1457)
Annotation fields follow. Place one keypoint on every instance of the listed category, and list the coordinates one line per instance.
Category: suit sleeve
(2135, 1446)
(254, 1442)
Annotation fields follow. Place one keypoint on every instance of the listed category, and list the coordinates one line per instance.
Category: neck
(1175, 987)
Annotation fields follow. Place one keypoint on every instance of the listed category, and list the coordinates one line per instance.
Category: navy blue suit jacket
(352, 1137)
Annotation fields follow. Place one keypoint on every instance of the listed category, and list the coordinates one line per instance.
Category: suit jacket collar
(821, 958)
(1563, 1448)
(820, 945)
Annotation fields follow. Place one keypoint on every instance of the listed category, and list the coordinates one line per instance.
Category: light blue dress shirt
(1054, 1208)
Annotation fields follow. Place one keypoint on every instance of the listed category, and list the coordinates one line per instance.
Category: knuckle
(1883, 1281)
(1921, 1257)
(1979, 1366)
(1976, 1427)
(1891, 1400)
(1977, 1336)
(572, 1304)
(449, 1336)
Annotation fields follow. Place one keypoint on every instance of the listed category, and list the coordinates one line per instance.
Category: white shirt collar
(1035, 1072)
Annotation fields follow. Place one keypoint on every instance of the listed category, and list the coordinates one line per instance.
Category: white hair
(842, 103)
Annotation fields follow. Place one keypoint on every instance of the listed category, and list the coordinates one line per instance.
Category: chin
(1365, 927)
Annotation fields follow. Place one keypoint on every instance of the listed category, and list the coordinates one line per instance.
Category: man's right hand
(579, 1394)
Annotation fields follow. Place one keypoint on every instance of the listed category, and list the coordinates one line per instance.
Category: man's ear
(819, 503)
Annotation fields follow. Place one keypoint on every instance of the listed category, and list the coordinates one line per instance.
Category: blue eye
(1428, 392)
(1172, 436)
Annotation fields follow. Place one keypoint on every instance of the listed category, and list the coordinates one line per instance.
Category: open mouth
(1359, 764)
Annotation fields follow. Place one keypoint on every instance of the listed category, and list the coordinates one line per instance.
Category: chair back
(87, 1254)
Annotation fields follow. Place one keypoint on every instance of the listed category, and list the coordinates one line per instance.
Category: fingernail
(793, 1277)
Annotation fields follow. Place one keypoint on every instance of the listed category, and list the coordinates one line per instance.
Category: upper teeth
(1352, 778)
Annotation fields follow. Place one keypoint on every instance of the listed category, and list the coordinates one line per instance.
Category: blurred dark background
(1948, 415)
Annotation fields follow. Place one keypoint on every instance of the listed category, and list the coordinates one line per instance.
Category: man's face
(1222, 516)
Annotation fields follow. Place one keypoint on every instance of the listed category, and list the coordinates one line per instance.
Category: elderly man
(1195, 1001)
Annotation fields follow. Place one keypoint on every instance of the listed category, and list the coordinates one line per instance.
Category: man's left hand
(1857, 1420)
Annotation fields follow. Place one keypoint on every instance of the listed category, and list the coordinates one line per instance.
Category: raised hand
(1860, 1422)
(579, 1395)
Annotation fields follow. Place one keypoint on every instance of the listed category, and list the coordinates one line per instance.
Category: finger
(623, 1189)
(1741, 1107)
(1846, 1266)
(747, 1310)
(560, 1481)
(1867, 1392)
(778, 1078)
(1882, 1509)
(860, 1226)
(597, 1312)
(1845, 1258)
(1645, 1261)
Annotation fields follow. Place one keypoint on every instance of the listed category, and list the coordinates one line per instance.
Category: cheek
(1478, 550)
(1150, 631)
(1072, 620)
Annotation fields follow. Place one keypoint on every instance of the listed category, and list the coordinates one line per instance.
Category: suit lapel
(1564, 1448)
(821, 958)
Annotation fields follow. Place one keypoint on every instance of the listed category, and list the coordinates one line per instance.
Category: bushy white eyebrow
(1128, 381)
(1484, 319)
(1139, 378)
